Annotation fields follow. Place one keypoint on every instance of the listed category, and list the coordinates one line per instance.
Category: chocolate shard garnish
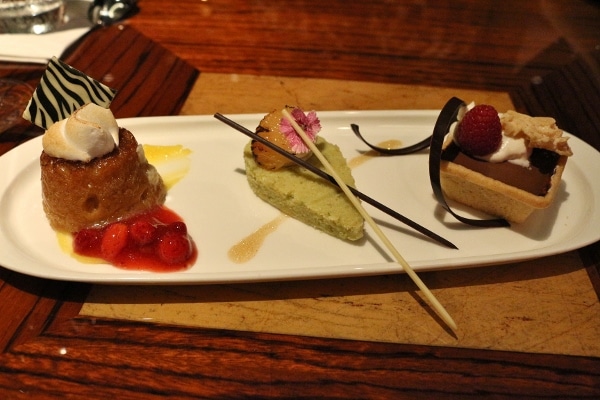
(329, 178)
(447, 117)
(423, 144)
(62, 90)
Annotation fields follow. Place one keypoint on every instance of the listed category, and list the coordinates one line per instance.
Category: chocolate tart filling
(535, 179)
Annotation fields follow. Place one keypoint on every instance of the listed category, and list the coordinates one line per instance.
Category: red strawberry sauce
(154, 241)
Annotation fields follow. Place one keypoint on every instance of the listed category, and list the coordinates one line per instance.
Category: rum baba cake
(294, 190)
(505, 165)
(90, 180)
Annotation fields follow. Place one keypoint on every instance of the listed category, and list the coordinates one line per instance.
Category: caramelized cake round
(78, 195)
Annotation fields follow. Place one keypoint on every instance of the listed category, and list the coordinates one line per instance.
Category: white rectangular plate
(220, 209)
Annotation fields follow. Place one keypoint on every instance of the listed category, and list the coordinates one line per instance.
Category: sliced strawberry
(114, 240)
(174, 248)
(86, 241)
(142, 232)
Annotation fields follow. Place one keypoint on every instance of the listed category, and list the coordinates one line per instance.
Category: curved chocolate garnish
(446, 118)
(393, 152)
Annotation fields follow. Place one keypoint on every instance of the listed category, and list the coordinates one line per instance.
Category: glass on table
(14, 96)
(31, 16)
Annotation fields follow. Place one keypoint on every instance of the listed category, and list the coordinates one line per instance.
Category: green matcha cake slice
(306, 197)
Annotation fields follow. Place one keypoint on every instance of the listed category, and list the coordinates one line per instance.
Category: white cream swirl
(513, 150)
(90, 132)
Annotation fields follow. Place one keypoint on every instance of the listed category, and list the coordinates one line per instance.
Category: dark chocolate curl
(423, 144)
(446, 118)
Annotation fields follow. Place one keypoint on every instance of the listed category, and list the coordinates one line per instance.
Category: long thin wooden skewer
(388, 244)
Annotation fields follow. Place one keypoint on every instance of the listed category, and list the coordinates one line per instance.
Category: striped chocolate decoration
(62, 90)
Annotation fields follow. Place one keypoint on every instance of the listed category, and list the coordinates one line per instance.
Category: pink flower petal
(309, 123)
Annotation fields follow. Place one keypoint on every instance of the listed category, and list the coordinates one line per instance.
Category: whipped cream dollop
(90, 132)
(513, 150)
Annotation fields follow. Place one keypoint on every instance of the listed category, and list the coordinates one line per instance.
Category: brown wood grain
(544, 54)
(99, 358)
(464, 43)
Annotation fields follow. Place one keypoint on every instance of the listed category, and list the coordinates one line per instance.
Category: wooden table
(526, 329)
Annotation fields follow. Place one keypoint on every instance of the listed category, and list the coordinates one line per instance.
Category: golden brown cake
(79, 195)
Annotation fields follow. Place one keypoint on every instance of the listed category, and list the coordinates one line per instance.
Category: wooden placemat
(546, 305)
(151, 81)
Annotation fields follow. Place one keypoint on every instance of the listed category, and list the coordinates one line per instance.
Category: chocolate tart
(503, 189)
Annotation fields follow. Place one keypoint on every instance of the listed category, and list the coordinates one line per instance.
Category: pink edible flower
(308, 122)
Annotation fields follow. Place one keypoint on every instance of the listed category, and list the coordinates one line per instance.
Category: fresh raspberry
(479, 132)
(114, 240)
(174, 248)
(142, 232)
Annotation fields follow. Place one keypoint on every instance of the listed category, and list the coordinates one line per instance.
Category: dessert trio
(98, 186)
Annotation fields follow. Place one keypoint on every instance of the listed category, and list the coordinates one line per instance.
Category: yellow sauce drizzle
(247, 248)
(173, 162)
(361, 159)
